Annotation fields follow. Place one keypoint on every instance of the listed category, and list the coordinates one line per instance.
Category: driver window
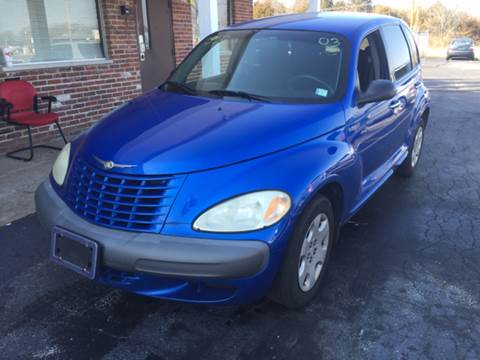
(369, 62)
(209, 72)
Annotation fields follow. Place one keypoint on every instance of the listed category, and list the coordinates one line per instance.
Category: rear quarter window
(398, 53)
(413, 46)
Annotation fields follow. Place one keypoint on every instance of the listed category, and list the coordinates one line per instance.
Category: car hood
(168, 133)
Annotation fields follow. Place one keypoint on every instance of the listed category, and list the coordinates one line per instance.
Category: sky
(470, 6)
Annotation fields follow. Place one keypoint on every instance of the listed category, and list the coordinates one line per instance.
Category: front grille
(127, 202)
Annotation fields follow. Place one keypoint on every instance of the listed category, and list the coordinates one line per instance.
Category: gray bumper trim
(156, 254)
(460, 53)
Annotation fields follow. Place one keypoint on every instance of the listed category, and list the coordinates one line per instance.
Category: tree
(266, 8)
(440, 22)
(340, 5)
(362, 5)
(386, 10)
(327, 4)
(303, 5)
(300, 6)
(345, 5)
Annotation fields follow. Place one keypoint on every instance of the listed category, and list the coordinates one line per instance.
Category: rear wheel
(306, 256)
(408, 166)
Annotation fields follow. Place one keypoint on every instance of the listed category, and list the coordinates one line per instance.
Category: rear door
(418, 89)
(406, 78)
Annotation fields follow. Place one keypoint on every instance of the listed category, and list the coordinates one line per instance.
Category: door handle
(395, 105)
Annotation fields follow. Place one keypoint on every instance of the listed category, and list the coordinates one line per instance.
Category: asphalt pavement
(403, 282)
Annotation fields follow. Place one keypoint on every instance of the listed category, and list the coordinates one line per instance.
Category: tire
(414, 152)
(291, 287)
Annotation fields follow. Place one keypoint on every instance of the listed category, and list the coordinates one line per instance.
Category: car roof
(348, 24)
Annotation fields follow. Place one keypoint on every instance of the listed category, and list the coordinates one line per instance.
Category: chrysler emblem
(109, 165)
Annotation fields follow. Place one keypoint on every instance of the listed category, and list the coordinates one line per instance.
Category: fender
(423, 105)
(300, 171)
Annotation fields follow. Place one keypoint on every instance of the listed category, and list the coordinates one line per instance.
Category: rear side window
(413, 46)
(398, 55)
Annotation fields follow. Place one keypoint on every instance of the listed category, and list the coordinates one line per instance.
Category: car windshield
(265, 65)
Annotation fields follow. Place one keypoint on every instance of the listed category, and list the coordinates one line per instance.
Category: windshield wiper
(240, 94)
(179, 86)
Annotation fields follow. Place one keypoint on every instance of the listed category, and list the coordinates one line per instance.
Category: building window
(224, 13)
(38, 31)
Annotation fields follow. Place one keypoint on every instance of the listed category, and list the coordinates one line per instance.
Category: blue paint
(222, 147)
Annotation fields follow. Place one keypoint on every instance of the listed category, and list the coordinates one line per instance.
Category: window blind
(50, 30)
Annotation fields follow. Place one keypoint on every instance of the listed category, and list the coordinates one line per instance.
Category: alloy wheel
(313, 252)
(417, 146)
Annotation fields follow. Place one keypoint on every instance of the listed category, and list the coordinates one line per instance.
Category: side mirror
(378, 90)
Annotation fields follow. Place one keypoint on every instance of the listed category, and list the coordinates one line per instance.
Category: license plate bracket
(74, 252)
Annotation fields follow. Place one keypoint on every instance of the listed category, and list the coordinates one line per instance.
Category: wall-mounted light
(125, 10)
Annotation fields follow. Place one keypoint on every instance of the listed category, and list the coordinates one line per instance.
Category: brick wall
(182, 28)
(242, 10)
(90, 91)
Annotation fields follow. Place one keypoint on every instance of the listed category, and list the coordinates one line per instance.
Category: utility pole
(413, 15)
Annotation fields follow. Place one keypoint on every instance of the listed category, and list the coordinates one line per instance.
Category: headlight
(245, 213)
(60, 167)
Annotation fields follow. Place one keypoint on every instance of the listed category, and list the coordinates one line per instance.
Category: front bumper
(160, 255)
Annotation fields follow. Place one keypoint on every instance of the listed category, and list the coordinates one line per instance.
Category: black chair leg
(61, 132)
(12, 155)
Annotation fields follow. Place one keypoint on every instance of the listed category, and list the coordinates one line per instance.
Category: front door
(371, 125)
(155, 40)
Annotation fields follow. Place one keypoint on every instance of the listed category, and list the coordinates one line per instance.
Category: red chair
(19, 106)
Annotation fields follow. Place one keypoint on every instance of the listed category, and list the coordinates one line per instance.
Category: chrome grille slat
(89, 185)
(104, 200)
(120, 201)
(107, 190)
(121, 211)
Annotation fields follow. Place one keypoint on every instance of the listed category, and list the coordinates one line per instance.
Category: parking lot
(403, 282)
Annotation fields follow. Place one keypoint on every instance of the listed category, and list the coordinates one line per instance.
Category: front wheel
(306, 256)
(410, 163)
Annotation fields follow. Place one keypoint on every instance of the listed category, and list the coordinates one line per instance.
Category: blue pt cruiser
(232, 179)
